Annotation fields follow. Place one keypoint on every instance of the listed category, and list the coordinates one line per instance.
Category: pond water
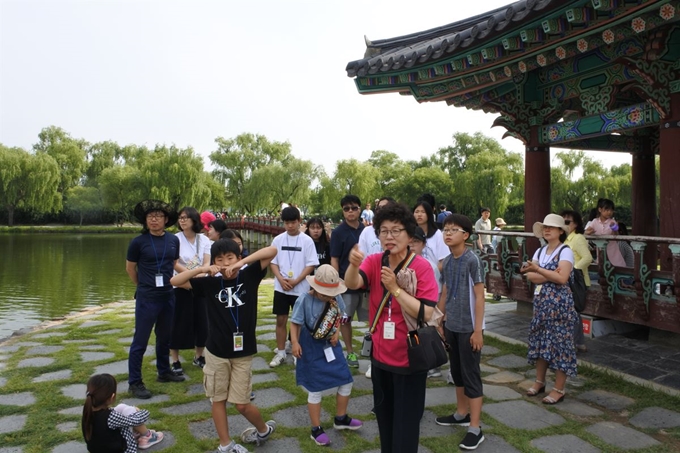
(46, 276)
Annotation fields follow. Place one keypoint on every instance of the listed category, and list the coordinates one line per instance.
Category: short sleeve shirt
(435, 248)
(367, 215)
(154, 255)
(392, 354)
(460, 275)
(191, 255)
(308, 308)
(344, 237)
(369, 243)
(482, 225)
(231, 306)
(295, 253)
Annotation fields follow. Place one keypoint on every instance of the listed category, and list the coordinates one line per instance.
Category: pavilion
(577, 74)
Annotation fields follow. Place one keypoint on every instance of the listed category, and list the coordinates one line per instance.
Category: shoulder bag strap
(386, 294)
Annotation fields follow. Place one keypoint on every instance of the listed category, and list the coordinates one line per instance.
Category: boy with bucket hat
(151, 258)
(321, 365)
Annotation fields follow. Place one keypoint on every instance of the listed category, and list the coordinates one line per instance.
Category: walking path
(42, 376)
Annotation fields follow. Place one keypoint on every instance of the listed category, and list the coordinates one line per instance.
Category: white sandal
(533, 392)
(550, 400)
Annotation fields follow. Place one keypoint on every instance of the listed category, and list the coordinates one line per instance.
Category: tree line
(68, 180)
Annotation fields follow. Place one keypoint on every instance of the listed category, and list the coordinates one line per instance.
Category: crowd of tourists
(198, 290)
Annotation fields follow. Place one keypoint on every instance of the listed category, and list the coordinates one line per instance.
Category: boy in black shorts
(462, 302)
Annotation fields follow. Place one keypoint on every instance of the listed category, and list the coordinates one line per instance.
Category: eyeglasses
(155, 216)
(452, 230)
(394, 233)
(350, 208)
(183, 218)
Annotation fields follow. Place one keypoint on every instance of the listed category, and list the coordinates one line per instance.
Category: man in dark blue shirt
(344, 237)
(151, 259)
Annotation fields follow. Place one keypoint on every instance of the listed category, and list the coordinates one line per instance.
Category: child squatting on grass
(115, 430)
(231, 303)
(321, 365)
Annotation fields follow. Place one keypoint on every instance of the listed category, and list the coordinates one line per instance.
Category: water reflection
(43, 276)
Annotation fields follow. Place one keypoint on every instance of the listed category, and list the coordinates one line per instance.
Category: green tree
(290, 181)
(83, 200)
(121, 188)
(68, 152)
(356, 178)
(28, 181)
(104, 155)
(235, 161)
(390, 170)
(422, 180)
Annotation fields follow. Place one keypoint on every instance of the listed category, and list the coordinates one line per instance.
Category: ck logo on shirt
(230, 295)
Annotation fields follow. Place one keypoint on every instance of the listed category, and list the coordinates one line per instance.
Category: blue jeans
(150, 312)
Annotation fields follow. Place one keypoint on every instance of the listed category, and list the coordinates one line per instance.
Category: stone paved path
(53, 363)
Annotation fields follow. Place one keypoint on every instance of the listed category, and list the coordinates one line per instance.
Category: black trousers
(399, 403)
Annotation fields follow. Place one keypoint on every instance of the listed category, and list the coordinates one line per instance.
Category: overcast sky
(184, 73)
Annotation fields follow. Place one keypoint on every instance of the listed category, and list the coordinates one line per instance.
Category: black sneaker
(471, 441)
(177, 368)
(170, 377)
(199, 361)
(450, 420)
(139, 391)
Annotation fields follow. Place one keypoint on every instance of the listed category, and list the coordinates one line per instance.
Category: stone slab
(621, 436)
(267, 336)
(67, 426)
(500, 393)
(563, 444)
(70, 447)
(359, 405)
(114, 368)
(36, 362)
(523, 415)
(13, 423)
(294, 417)
(75, 391)
(578, 408)
(28, 344)
(156, 398)
(287, 444)
(95, 356)
(111, 332)
(509, 361)
(206, 429)
(3, 382)
(369, 431)
(490, 350)
(10, 348)
(495, 444)
(265, 327)
(608, 400)
(264, 377)
(150, 351)
(77, 410)
(440, 395)
(430, 428)
(259, 364)
(87, 324)
(263, 348)
(92, 347)
(656, 418)
(125, 340)
(38, 350)
(76, 341)
(196, 389)
(11, 450)
(484, 368)
(361, 382)
(273, 397)
(504, 377)
(196, 407)
(17, 399)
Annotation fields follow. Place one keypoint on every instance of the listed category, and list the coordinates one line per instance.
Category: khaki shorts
(227, 379)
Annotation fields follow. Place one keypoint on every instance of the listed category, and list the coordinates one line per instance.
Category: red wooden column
(536, 184)
(644, 199)
(669, 184)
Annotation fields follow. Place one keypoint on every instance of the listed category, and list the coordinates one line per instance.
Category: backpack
(577, 284)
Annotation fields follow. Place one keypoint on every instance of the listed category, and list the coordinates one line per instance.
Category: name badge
(328, 352)
(537, 290)
(159, 281)
(290, 273)
(388, 330)
(238, 342)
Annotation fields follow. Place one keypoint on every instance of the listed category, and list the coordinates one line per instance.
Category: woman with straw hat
(321, 365)
(551, 333)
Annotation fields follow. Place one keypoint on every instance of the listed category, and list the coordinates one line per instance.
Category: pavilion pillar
(669, 186)
(644, 199)
(536, 184)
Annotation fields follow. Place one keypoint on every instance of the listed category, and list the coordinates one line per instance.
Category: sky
(150, 72)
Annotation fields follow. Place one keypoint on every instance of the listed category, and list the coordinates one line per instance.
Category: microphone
(386, 258)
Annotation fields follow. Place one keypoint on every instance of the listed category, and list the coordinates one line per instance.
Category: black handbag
(426, 348)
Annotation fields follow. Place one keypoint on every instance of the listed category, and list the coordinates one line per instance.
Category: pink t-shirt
(601, 228)
(393, 352)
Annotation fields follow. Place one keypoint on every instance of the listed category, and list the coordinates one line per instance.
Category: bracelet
(396, 293)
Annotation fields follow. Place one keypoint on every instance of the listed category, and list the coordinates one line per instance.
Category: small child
(605, 224)
(462, 300)
(321, 365)
(230, 290)
(116, 430)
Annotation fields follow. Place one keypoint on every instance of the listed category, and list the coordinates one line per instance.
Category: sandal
(550, 400)
(533, 392)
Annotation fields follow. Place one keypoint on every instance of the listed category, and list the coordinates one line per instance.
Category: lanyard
(235, 318)
(455, 288)
(290, 257)
(155, 254)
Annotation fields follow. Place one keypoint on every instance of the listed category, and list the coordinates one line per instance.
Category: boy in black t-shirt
(231, 295)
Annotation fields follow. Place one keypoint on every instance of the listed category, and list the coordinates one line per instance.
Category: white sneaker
(368, 372)
(277, 360)
(251, 435)
(449, 378)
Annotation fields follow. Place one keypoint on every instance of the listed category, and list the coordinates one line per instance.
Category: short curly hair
(395, 212)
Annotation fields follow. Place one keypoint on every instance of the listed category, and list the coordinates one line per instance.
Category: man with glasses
(344, 238)
(151, 258)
